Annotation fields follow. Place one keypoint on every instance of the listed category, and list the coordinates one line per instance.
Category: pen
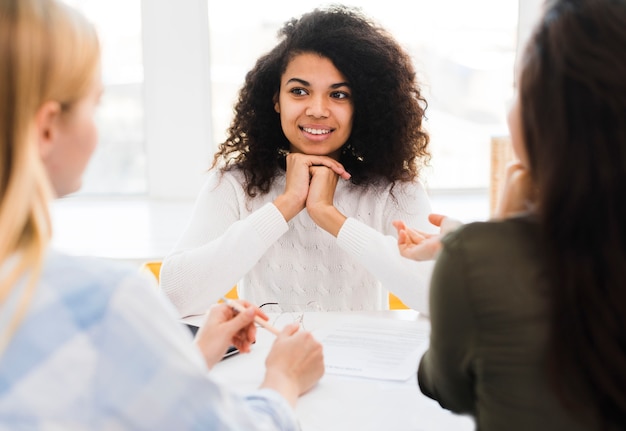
(264, 323)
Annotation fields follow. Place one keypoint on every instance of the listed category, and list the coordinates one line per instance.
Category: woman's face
(315, 106)
(73, 141)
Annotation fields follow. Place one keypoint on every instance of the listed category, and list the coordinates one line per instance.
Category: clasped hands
(310, 183)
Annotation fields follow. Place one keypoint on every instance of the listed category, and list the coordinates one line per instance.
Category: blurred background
(172, 71)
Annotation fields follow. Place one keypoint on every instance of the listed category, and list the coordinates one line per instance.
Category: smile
(316, 131)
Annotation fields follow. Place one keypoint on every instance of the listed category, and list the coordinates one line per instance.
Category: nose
(317, 107)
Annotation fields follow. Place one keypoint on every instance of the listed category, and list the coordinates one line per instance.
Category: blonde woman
(87, 344)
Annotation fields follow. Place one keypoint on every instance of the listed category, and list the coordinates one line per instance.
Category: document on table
(375, 348)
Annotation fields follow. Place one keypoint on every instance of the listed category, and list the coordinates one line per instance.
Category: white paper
(375, 348)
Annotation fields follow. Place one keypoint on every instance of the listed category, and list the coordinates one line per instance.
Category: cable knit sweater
(234, 239)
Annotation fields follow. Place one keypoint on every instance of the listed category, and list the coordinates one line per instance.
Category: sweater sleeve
(218, 247)
(378, 251)
(445, 369)
(406, 278)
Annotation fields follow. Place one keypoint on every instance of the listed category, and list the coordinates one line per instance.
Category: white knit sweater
(233, 239)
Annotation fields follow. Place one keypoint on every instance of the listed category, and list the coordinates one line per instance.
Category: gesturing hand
(418, 245)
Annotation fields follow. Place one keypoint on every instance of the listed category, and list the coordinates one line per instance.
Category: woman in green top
(529, 312)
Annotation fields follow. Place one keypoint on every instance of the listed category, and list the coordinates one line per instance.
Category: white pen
(264, 323)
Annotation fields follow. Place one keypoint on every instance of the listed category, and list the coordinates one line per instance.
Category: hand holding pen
(225, 326)
(295, 362)
(260, 317)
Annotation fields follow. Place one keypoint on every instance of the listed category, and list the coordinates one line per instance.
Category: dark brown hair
(573, 102)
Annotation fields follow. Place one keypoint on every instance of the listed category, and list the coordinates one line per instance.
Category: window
(119, 163)
(172, 71)
(464, 53)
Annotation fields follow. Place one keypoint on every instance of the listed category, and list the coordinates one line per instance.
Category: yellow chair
(395, 303)
(154, 268)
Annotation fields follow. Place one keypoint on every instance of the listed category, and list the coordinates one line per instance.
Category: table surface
(347, 403)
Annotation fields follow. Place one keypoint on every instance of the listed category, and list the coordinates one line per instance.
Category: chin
(65, 191)
(317, 151)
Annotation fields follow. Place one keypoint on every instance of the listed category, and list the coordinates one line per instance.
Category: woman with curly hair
(324, 152)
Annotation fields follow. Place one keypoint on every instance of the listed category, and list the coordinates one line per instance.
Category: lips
(316, 131)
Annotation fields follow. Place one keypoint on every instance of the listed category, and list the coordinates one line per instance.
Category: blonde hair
(48, 52)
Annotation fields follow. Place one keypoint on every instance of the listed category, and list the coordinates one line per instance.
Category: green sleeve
(445, 372)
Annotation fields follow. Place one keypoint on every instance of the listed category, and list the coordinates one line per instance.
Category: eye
(297, 91)
(340, 95)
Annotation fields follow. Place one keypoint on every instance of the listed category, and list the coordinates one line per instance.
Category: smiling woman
(464, 52)
(315, 106)
(321, 156)
(465, 57)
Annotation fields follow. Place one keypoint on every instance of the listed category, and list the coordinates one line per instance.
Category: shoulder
(90, 282)
(226, 182)
(503, 240)
(230, 187)
(404, 196)
(235, 178)
(413, 189)
(76, 268)
(492, 229)
(494, 265)
(383, 189)
(216, 176)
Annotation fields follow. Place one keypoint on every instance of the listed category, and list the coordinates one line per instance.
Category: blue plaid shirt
(100, 349)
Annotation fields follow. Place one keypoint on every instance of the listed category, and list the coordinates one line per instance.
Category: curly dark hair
(387, 139)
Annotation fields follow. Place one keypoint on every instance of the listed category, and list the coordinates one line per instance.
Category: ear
(46, 124)
(276, 104)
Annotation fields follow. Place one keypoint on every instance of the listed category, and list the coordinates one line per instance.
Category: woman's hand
(298, 177)
(294, 364)
(417, 245)
(223, 327)
(320, 201)
(517, 193)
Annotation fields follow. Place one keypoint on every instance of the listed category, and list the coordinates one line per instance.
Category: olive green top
(490, 323)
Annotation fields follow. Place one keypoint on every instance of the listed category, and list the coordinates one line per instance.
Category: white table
(347, 403)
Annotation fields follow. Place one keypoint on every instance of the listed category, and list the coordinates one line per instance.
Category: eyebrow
(308, 84)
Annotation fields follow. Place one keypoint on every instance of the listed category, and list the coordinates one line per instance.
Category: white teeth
(316, 131)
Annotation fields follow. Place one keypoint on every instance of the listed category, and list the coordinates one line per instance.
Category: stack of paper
(375, 348)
